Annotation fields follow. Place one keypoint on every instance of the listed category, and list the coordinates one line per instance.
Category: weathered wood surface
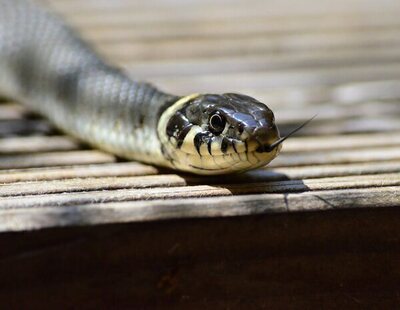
(336, 60)
(318, 228)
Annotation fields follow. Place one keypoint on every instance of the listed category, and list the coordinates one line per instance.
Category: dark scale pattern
(203, 138)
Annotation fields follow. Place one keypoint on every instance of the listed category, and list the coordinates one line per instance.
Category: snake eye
(217, 123)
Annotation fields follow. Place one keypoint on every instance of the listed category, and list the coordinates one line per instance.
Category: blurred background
(338, 59)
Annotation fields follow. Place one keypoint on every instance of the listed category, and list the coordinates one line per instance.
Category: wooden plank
(134, 30)
(311, 144)
(214, 11)
(337, 157)
(334, 112)
(252, 45)
(329, 170)
(346, 126)
(54, 159)
(90, 184)
(37, 144)
(171, 180)
(78, 171)
(81, 198)
(138, 169)
(312, 77)
(28, 219)
(255, 63)
(295, 144)
(348, 93)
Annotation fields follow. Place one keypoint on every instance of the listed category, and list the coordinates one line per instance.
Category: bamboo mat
(340, 60)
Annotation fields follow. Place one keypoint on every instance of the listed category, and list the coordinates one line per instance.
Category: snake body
(48, 67)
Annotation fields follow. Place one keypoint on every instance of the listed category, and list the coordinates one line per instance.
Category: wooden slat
(54, 159)
(79, 198)
(28, 219)
(202, 48)
(329, 170)
(337, 157)
(334, 143)
(312, 77)
(37, 144)
(137, 169)
(255, 63)
(169, 180)
(349, 93)
(333, 112)
(69, 172)
(348, 126)
(216, 11)
(90, 184)
(133, 30)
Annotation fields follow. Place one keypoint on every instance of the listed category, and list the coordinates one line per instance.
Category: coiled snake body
(45, 65)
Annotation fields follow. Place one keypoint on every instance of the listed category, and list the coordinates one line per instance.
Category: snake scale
(48, 67)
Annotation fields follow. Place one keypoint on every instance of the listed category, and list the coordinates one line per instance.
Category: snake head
(217, 134)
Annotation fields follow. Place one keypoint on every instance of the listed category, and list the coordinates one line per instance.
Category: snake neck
(46, 66)
(120, 115)
(168, 152)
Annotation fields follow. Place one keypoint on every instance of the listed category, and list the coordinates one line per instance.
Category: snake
(48, 67)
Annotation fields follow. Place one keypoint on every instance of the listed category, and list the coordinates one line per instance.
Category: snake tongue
(269, 148)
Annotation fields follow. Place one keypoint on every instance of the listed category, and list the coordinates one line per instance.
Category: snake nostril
(265, 135)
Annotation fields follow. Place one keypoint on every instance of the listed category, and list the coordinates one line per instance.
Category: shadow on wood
(344, 258)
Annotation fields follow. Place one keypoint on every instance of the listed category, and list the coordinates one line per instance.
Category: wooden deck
(338, 59)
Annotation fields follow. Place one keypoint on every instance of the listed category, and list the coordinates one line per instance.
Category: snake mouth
(270, 147)
(266, 148)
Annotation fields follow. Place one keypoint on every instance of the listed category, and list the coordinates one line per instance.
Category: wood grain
(16, 219)
(54, 159)
(37, 144)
